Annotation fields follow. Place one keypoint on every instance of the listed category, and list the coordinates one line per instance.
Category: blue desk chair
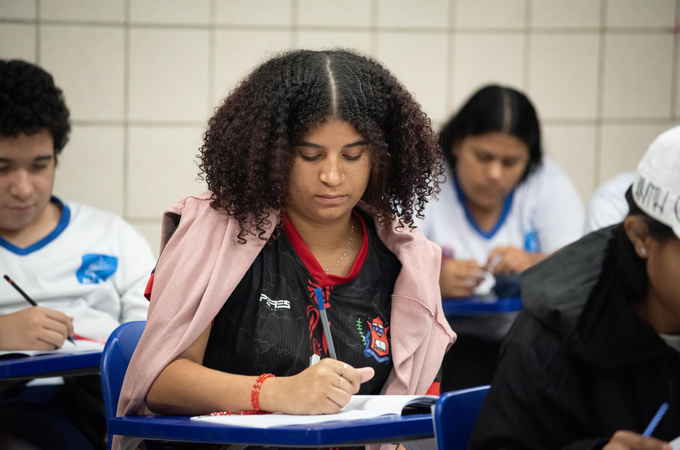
(115, 359)
(455, 414)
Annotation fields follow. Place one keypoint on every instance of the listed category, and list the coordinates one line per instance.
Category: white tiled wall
(563, 71)
(238, 51)
(549, 14)
(332, 13)
(418, 59)
(142, 76)
(87, 62)
(490, 14)
(479, 59)
(18, 41)
(90, 169)
(157, 153)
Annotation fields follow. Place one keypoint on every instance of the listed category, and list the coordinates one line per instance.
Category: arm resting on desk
(187, 387)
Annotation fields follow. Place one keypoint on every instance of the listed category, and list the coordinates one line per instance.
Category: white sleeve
(559, 213)
(608, 204)
(423, 225)
(134, 268)
(602, 212)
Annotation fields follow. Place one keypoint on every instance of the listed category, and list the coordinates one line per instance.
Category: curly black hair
(30, 103)
(495, 108)
(247, 152)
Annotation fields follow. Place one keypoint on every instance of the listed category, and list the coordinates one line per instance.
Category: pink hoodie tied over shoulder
(202, 263)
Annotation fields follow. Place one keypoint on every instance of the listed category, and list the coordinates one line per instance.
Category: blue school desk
(384, 429)
(115, 360)
(41, 366)
(469, 306)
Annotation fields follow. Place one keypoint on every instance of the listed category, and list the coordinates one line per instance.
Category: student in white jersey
(504, 207)
(608, 204)
(85, 268)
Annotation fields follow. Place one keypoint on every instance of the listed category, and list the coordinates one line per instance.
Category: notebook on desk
(359, 407)
(82, 346)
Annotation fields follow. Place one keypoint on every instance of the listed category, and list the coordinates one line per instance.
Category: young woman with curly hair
(317, 164)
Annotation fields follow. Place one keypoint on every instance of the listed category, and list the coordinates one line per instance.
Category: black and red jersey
(271, 322)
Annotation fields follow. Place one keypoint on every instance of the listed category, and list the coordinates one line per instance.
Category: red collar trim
(312, 264)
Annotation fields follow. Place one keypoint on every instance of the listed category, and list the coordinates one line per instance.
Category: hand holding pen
(323, 388)
(35, 328)
(627, 440)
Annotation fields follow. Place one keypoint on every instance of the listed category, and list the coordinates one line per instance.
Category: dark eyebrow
(37, 159)
(357, 143)
(309, 144)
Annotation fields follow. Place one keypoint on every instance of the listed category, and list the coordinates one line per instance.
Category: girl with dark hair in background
(595, 351)
(503, 208)
(317, 164)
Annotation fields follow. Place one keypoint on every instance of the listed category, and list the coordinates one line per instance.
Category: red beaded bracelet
(238, 413)
(255, 393)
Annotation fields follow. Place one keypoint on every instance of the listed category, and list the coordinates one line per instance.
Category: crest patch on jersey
(377, 343)
(96, 268)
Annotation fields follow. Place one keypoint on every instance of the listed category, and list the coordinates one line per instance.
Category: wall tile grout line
(140, 123)
(608, 121)
(126, 109)
(549, 120)
(676, 61)
(38, 34)
(526, 76)
(294, 23)
(373, 43)
(450, 29)
(599, 109)
(212, 56)
(450, 58)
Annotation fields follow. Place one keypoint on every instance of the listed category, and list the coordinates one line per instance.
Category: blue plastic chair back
(115, 359)
(455, 414)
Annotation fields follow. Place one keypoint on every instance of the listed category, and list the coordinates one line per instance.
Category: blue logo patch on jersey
(531, 242)
(96, 268)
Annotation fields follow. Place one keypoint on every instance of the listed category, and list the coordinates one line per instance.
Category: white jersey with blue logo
(543, 214)
(93, 267)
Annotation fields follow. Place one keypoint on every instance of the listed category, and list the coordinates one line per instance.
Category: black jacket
(578, 364)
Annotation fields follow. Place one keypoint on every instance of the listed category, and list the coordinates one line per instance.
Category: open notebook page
(359, 407)
(675, 443)
(81, 346)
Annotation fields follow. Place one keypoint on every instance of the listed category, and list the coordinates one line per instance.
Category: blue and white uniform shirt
(543, 214)
(93, 267)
